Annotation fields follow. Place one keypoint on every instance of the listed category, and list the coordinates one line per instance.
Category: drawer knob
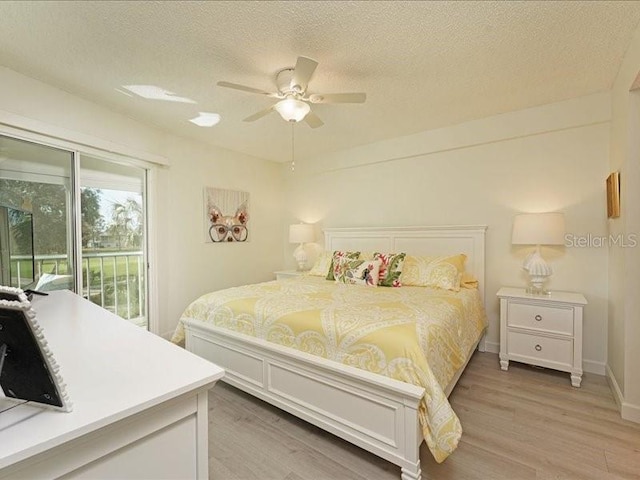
(538, 347)
(538, 318)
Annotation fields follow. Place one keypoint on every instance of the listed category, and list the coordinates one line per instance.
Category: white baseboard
(628, 411)
(492, 347)
(613, 383)
(592, 366)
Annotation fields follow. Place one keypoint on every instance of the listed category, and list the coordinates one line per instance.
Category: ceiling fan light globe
(292, 110)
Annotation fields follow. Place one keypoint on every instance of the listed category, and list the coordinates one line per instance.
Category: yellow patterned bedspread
(414, 334)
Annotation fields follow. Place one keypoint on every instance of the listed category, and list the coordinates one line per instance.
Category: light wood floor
(523, 424)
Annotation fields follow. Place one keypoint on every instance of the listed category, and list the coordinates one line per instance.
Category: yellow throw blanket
(416, 335)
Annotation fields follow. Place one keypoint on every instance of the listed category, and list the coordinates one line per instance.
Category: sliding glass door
(35, 181)
(100, 251)
(114, 256)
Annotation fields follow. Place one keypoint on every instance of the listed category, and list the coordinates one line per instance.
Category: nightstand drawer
(545, 349)
(538, 317)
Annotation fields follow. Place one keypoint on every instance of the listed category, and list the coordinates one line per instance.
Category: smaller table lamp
(538, 229)
(301, 233)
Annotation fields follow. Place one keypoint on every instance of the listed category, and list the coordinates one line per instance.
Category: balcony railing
(113, 280)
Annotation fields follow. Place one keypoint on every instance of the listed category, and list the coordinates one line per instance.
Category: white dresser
(542, 330)
(139, 403)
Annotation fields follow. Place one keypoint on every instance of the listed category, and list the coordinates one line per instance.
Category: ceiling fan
(292, 92)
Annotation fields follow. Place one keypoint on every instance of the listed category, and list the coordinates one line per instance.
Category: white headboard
(435, 240)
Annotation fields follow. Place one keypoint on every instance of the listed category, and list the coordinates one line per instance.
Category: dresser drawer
(539, 317)
(553, 350)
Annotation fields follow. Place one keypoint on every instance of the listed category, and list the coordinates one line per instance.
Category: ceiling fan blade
(338, 98)
(302, 73)
(313, 120)
(244, 88)
(260, 114)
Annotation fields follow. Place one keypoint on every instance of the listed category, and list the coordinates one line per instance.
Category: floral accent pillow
(322, 265)
(390, 268)
(337, 256)
(438, 272)
(358, 272)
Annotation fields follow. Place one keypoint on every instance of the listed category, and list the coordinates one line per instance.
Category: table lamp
(301, 233)
(538, 229)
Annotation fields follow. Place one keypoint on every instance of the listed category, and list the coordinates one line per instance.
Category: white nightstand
(542, 330)
(283, 274)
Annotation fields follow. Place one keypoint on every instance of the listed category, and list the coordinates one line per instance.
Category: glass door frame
(149, 192)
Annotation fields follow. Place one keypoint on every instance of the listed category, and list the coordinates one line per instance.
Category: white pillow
(321, 267)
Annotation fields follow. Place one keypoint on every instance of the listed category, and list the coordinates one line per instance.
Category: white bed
(374, 412)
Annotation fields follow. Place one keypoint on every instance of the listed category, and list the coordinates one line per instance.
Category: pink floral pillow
(335, 262)
(390, 268)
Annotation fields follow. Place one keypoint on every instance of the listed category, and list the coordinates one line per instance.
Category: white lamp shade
(292, 110)
(538, 229)
(301, 233)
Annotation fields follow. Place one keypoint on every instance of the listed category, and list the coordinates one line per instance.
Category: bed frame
(376, 413)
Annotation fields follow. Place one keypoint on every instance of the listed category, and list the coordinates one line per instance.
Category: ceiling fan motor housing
(283, 81)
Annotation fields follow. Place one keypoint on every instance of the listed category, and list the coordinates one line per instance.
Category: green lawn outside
(114, 283)
(109, 271)
(49, 266)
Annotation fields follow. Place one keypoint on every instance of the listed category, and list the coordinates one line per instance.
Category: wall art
(226, 215)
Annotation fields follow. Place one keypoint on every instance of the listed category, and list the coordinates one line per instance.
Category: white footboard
(376, 413)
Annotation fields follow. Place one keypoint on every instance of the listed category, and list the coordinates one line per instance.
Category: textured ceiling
(423, 65)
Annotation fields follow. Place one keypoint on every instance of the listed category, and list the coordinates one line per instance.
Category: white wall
(550, 158)
(624, 273)
(190, 267)
(187, 267)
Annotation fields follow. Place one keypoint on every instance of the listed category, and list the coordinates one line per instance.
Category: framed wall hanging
(226, 215)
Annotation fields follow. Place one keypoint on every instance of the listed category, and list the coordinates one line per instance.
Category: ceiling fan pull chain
(293, 157)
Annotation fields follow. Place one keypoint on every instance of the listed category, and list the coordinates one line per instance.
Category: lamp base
(300, 256)
(539, 271)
